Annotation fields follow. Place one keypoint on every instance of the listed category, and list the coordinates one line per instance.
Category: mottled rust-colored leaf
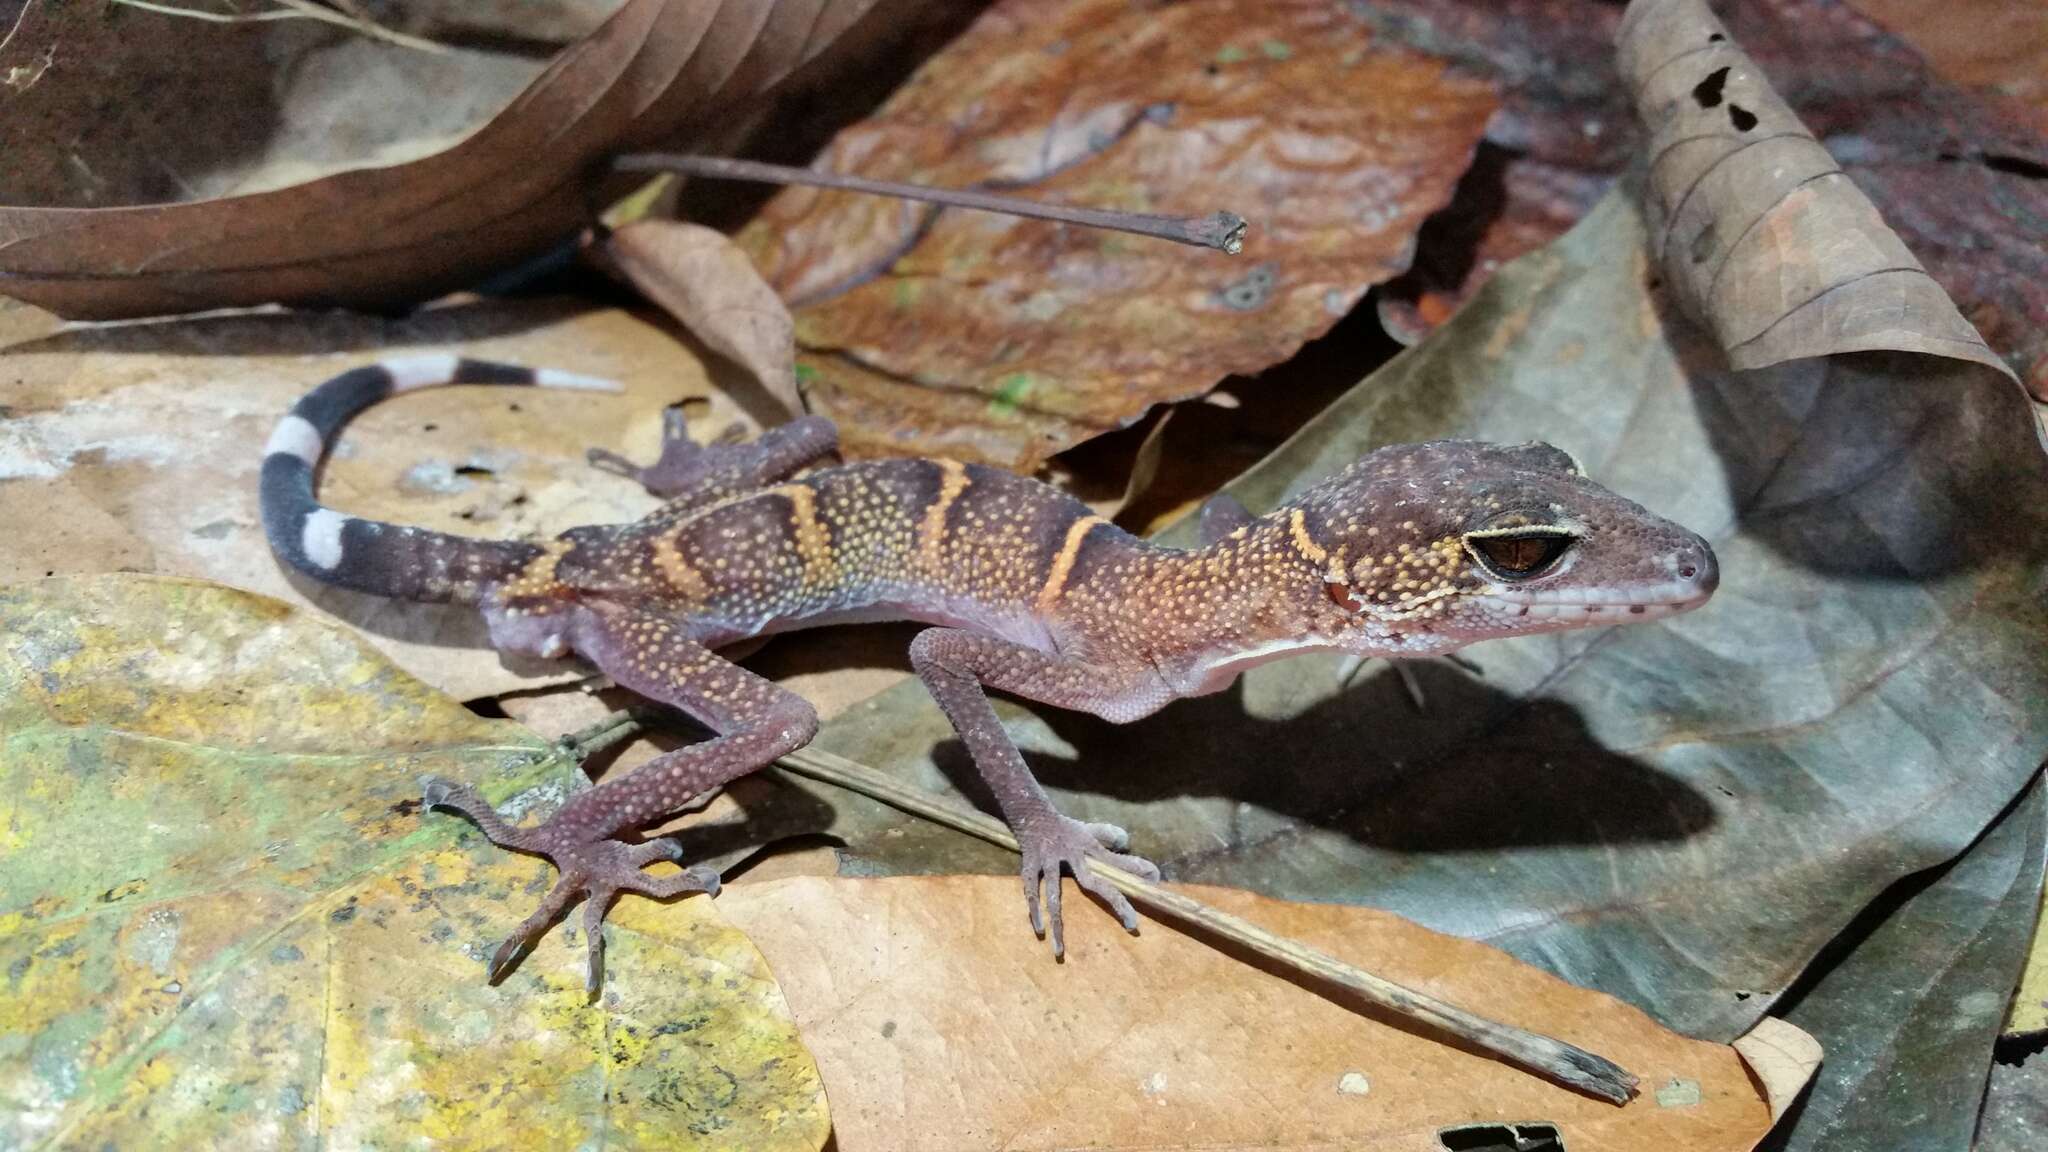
(384, 236)
(997, 339)
(226, 923)
(939, 1023)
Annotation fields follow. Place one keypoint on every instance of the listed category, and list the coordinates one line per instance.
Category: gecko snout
(1697, 570)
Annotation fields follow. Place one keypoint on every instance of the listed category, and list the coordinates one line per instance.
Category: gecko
(1413, 550)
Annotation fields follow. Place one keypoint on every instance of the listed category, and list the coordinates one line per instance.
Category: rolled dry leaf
(1761, 235)
(703, 279)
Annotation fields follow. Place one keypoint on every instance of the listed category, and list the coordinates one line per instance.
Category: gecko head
(1430, 546)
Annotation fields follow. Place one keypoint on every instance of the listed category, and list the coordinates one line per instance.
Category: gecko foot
(1064, 843)
(683, 463)
(593, 871)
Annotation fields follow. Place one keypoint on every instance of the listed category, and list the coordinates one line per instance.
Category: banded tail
(368, 555)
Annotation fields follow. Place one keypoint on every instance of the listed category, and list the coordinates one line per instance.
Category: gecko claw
(1067, 847)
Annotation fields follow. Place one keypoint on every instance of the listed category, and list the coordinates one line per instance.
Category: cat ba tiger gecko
(1414, 550)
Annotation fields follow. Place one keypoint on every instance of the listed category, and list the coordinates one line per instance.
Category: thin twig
(1565, 1063)
(1223, 231)
(293, 10)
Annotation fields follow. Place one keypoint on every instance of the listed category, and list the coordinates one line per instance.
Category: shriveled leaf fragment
(939, 1023)
(227, 923)
(1683, 813)
(1764, 237)
(1912, 1003)
(137, 447)
(405, 232)
(707, 283)
(1783, 1059)
(992, 338)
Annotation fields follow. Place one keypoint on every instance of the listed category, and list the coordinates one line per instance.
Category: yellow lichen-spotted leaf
(225, 921)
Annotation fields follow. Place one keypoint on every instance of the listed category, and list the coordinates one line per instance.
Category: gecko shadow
(1477, 769)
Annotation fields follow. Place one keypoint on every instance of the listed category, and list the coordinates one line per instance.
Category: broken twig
(1223, 231)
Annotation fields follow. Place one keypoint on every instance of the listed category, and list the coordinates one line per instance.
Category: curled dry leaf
(1760, 232)
(227, 924)
(708, 284)
(938, 1022)
(386, 236)
(137, 447)
(987, 337)
(1954, 175)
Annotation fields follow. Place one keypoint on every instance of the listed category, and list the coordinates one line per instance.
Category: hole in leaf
(1501, 1138)
(1707, 93)
(1741, 117)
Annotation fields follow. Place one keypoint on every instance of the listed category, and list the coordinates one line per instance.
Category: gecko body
(1414, 550)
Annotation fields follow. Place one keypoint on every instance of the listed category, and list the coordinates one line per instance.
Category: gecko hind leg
(755, 721)
(597, 872)
(694, 474)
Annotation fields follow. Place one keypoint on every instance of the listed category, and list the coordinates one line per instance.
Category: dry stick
(1221, 230)
(1565, 1063)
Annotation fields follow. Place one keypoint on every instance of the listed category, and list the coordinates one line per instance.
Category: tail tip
(575, 381)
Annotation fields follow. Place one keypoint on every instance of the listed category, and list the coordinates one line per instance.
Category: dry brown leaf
(1757, 227)
(137, 447)
(938, 1022)
(991, 338)
(408, 232)
(707, 283)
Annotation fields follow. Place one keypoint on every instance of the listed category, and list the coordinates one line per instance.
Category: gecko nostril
(1688, 572)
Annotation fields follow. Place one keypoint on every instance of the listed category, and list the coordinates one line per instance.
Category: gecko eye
(1512, 556)
(1343, 597)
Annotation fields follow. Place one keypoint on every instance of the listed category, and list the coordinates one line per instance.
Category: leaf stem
(1223, 231)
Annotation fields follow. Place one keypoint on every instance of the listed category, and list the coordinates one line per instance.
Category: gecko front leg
(955, 665)
(690, 475)
(755, 722)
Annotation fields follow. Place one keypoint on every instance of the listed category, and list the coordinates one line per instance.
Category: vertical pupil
(1522, 553)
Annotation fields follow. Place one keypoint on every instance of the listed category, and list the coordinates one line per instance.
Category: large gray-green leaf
(1680, 813)
(1909, 1011)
